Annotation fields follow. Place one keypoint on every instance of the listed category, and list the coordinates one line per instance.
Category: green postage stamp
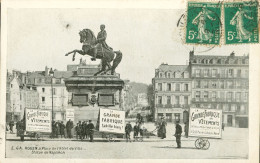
(203, 23)
(241, 22)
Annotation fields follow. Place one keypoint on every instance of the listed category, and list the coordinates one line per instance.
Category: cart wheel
(37, 136)
(205, 144)
(197, 143)
(111, 138)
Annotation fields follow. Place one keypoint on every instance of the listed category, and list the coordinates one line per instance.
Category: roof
(173, 68)
(63, 74)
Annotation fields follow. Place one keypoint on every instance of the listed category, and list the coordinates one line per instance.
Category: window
(186, 100)
(159, 86)
(168, 99)
(222, 84)
(230, 84)
(214, 95)
(246, 96)
(206, 84)
(197, 84)
(229, 96)
(214, 84)
(169, 87)
(238, 96)
(223, 73)
(206, 95)
(43, 89)
(177, 100)
(159, 99)
(43, 99)
(186, 87)
(54, 91)
(206, 72)
(197, 73)
(57, 81)
(239, 73)
(230, 73)
(214, 73)
(160, 75)
(197, 95)
(169, 75)
(177, 87)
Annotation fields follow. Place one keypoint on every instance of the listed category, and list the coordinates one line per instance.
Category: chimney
(46, 71)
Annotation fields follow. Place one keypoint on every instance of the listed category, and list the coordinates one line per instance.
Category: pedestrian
(62, 129)
(223, 126)
(11, 125)
(186, 129)
(178, 131)
(91, 130)
(69, 126)
(86, 129)
(78, 131)
(136, 130)
(57, 129)
(163, 128)
(128, 129)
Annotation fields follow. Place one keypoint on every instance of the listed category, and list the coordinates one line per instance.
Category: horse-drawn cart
(205, 124)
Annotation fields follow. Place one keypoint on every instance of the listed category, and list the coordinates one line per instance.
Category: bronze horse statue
(92, 48)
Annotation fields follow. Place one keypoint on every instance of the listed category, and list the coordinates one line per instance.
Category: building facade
(172, 92)
(221, 82)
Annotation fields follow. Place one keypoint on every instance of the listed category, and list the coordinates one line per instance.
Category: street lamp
(51, 74)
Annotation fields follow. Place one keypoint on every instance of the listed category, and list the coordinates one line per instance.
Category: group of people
(138, 130)
(83, 130)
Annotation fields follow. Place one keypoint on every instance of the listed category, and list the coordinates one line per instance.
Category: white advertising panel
(38, 120)
(70, 114)
(205, 123)
(112, 121)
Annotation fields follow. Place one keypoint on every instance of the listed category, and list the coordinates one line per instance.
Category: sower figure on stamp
(101, 38)
(178, 131)
(200, 20)
(242, 33)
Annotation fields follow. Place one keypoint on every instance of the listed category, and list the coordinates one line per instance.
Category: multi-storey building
(221, 82)
(43, 82)
(172, 92)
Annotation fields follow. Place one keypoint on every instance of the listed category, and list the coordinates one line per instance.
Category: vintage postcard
(129, 81)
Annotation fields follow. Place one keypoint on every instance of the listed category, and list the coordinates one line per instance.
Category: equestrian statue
(97, 48)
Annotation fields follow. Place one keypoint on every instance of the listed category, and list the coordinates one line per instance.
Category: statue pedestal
(89, 93)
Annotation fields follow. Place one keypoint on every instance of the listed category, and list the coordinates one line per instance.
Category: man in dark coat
(128, 129)
(91, 130)
(62, 128)
(178, 131)
(69, 126)
(78, 131)
(136, 130)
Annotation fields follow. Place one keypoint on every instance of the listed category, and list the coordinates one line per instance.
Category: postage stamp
(241, 22)
(203, 23)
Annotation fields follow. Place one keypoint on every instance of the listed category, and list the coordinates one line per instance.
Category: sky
(146, 37)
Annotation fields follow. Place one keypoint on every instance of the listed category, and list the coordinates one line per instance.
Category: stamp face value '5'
(241, 22)
(203, 23)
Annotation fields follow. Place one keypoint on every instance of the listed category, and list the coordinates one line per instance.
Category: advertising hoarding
(205, 123)
(111, 121)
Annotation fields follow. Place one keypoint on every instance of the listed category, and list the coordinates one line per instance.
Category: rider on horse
(101, 38)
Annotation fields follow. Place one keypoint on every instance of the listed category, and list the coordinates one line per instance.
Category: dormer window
(169, 75)
(160, 75)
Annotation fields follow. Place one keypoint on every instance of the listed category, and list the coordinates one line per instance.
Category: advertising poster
(70, 114)
(112, 121)
(38, 120)
(205, 123)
